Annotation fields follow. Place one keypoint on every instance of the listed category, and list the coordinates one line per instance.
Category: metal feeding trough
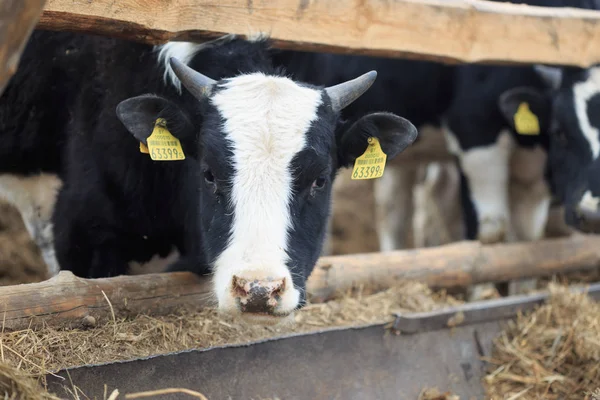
(440, 349)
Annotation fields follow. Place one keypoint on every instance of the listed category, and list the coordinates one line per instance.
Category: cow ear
(394, 133)
(139, 115)
(522, 106)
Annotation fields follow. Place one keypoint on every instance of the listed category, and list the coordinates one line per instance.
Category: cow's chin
(268, 319)
(279, 319)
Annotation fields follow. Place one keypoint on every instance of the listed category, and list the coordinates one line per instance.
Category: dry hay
(48, 350)
(16, 384)
(551, 353)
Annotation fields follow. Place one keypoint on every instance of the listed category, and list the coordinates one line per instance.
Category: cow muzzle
(260, 296)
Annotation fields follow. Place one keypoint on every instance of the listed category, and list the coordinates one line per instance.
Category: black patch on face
(215, 172)
(310, 206)
(570, 154)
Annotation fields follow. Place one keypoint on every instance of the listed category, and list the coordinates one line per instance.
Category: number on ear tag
(372, 163)
(162, 145)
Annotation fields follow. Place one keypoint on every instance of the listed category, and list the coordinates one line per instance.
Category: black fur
(117, 205)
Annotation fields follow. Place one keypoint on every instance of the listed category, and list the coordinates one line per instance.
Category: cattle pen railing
(457, 31)
(69, 301)
(452, 31)
(442, 30)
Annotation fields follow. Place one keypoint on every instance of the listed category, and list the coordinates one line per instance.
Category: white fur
(583, 92)
(487, 171)
(156, 264)
(589, 201)
(185, 52)
(34, 197)
(266, 120)
(529, 192)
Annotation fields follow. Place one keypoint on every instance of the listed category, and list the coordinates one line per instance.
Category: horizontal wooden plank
(66, 300)
(444, 30)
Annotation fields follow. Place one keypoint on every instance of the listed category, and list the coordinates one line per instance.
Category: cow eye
(319, 183)
(209, 177)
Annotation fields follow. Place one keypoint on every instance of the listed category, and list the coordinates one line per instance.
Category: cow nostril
(258, 295)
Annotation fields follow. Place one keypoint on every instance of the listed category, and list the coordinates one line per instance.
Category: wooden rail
(69, 301)
(17, 20)
(444, 30)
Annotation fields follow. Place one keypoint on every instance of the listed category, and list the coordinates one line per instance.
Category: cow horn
(552, 76)
(199, 85)
(343, 94)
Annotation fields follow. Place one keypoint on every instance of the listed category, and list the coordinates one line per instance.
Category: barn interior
(391, 311)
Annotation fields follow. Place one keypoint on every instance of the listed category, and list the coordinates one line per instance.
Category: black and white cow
(33, 119)
(250, 202)
(572, 106)
(506, 194)
(420, 89)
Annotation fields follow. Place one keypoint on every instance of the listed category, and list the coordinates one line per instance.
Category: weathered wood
(70, 301)
(455, 265)
(67, 300)
(17, 20)
(444, 30)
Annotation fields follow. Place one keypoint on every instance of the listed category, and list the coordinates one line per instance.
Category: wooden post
(70, 301)
(443, 30)
(17, 20)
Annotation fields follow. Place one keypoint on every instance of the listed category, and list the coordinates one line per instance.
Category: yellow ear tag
(144, 148)
(526, 123)
(162, 145)
(372, 163)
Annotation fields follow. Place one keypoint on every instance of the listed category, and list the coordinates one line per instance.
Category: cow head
(266, 149)
(571, 109)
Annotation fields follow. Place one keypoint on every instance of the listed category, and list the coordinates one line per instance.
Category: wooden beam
(455, 265)
(17, 20)
(443, 30)
(70, 301)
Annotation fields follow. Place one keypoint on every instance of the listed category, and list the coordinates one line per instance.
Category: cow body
(463, 101)
(506, 195)
(571, 101)
(420, 89)
(250, 201)
(35, 109)
(505, 181)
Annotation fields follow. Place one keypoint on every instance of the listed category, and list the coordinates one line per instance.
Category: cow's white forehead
(266, 120)
(582, 93)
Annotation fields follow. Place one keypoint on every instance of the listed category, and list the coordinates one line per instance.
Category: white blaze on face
(582, 93)
(266, 121)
